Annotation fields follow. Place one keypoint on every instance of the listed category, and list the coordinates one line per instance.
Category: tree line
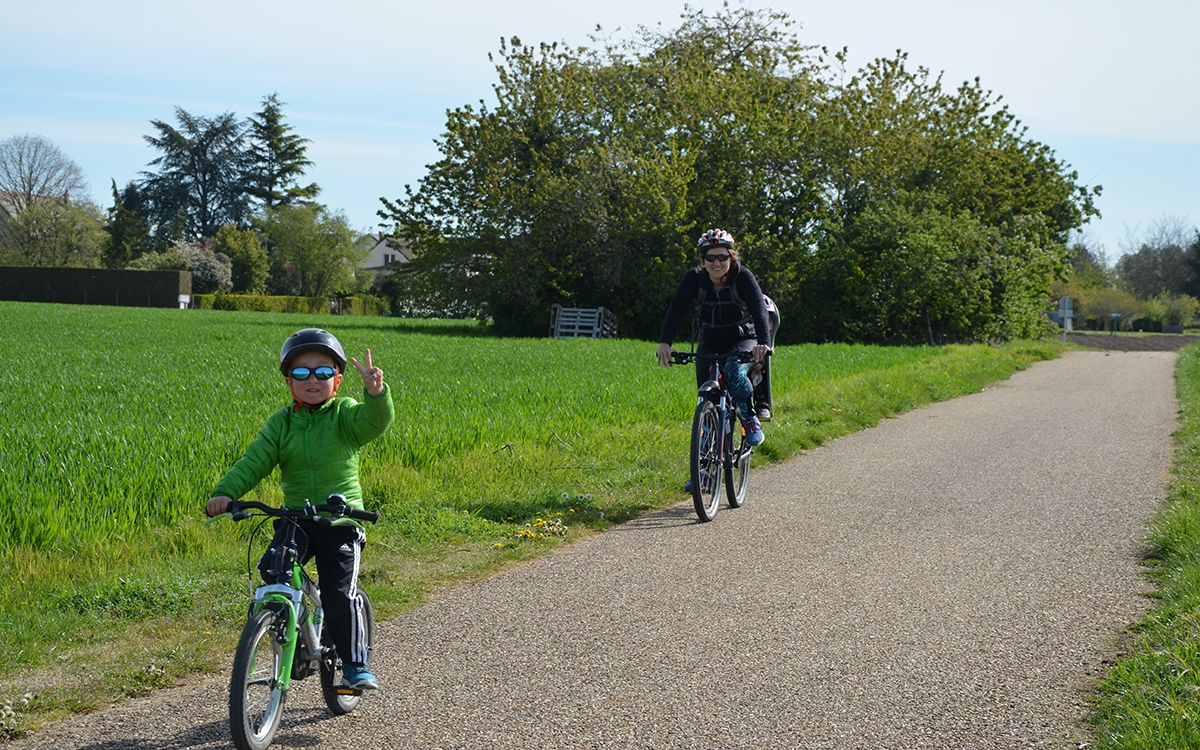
(876, 205)
(224, 198)
(1155, 284)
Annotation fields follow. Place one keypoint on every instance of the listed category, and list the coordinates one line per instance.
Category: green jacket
(316, 451)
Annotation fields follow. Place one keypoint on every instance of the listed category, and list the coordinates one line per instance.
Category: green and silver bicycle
(283, 640)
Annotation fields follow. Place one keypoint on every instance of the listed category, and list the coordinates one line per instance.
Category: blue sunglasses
(324, 372)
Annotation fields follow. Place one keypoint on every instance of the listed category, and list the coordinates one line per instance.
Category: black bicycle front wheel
(255, 698)
(737, 474)
(706, 460)
(338, 699)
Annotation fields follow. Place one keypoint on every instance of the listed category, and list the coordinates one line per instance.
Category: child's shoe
(754, 432)
(356, 675)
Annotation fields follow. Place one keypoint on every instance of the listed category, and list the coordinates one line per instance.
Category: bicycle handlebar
(683, 358)
(324, 513)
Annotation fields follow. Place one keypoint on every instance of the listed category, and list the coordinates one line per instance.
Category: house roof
(391, 244)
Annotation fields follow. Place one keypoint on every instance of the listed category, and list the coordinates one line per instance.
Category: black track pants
(338, 550)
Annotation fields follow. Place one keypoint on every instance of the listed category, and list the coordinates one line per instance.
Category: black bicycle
(719, 447)
(283, 639)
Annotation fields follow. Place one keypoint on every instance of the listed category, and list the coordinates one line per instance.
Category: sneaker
(754, 433)
(764, 414)
(687, 486)
(359, 677)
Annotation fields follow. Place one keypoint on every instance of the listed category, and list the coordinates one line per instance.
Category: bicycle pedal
(344, 690)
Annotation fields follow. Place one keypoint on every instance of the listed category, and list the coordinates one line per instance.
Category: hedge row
(357, 305)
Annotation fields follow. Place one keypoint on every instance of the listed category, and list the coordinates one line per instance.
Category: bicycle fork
(289, 599)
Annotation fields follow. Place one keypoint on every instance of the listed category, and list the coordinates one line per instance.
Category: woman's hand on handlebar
(217, 505)
(664, 354)
(760, 352)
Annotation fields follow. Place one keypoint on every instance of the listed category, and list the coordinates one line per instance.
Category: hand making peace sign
(372, 376)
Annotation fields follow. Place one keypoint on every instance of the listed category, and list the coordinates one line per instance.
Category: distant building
(8, 207)
(383, 251)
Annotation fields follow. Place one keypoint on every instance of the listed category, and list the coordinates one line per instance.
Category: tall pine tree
(127, 228)
(201, 177)
(277, 159)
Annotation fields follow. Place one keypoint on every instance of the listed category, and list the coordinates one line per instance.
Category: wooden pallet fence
(571, 322)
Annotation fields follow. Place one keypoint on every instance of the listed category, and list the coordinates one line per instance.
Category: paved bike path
(951, 578)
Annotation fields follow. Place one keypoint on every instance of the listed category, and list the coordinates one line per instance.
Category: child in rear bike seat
(315, 442)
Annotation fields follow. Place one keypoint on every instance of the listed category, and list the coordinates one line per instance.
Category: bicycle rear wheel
(737, 474)
(255, 699)
(706, 460)
(340, 700)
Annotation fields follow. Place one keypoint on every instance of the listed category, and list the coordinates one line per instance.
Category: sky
(1111, 86)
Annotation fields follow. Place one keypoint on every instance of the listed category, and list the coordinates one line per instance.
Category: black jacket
(727, 317)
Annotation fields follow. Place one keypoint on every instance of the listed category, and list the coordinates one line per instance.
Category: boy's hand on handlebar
(217, 505)
(372, 376)
(664, 354)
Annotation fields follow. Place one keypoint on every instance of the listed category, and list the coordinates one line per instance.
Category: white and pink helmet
(715, 238)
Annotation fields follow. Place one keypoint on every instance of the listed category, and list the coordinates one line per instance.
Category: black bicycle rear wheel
(255, 698)
(339, 700)
(706, 460)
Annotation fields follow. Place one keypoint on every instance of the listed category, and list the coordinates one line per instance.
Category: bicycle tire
(338, 704)
(706, 460)
(255, 700)
(737, 473)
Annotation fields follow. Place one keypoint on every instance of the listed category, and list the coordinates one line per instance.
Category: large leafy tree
(743, 98)
(249, 263)
(881, 206)
(586, 181)
(32, 168)
(312, 250)
(276, 159)
(1155, 269)
(561, 192)
(905, 142)
(1160, 265)
(1192, 258)
(201, 174)
(53, 233)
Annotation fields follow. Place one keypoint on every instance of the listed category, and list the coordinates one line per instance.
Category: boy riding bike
(315, 442)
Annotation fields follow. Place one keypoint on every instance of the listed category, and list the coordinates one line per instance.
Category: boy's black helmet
(312, 340)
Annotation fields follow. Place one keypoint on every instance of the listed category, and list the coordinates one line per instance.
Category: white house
(8, 207)
(382, 251)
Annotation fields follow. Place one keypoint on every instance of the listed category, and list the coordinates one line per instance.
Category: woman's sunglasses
(324, 372)
(716, 258)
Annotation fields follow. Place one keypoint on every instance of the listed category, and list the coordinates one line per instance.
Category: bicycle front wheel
(340, 700)
(706, 460)
(255, 699)
(737, 474)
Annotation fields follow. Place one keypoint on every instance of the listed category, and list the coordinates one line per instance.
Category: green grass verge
(502, 450)
(1151, 697)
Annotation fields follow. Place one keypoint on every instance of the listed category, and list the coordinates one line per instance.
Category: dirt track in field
(1162, 342)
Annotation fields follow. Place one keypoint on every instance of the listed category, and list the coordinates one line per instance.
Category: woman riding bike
(733, 317)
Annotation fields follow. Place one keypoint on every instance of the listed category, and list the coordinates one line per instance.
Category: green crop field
(116, 422)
